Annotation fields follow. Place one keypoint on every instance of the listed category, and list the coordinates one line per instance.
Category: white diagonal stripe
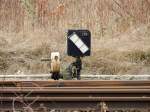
(79, 43)
(74, 38)
(84, 49)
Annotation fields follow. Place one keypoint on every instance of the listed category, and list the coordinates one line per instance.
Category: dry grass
(31, 29)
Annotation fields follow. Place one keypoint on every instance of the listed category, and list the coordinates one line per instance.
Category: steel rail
(74, 90)
(78, 94)
(100, 87)
(90, 99)
(83, 82)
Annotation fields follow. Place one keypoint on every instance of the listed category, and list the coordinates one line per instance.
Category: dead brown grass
(31, 29)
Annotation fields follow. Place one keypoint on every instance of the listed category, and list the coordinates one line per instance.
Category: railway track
(90, 96)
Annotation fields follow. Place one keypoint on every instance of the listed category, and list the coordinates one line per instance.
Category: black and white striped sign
(78, 43)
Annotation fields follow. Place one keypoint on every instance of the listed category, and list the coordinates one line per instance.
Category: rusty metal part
(93, 96)
(73, 83)
(76, 99)
(74, 90)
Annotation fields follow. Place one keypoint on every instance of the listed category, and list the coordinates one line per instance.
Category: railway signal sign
(78, 43)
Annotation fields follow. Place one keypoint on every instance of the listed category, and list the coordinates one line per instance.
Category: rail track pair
(90, 96)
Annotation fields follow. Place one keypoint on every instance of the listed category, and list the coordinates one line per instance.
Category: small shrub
(147, 61)
(137, 56)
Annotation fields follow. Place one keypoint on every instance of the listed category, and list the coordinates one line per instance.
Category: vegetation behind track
(31, 29)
